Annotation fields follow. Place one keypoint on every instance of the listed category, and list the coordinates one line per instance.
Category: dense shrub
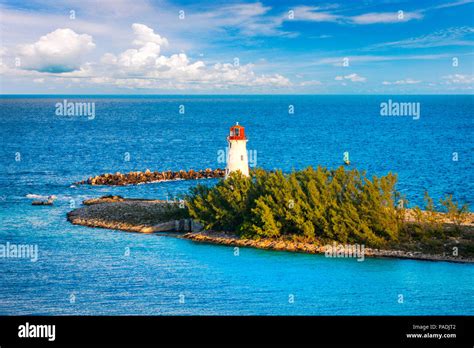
(317, 203)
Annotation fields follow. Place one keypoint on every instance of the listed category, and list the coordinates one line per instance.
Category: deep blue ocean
(82, 271)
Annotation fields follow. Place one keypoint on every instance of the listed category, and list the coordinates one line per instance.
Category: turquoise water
(89, 271)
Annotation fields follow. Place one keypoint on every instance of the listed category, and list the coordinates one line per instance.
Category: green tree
(262, 222)
(455, 212)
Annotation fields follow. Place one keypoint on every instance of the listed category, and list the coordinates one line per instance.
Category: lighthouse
(237, 151)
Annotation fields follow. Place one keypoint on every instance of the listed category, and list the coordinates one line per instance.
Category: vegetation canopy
(314, 204)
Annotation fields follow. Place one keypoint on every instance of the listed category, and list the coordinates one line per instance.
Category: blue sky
(207, 47)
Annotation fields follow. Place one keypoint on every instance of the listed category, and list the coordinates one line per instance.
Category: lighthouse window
(241, 157)
(237, 132)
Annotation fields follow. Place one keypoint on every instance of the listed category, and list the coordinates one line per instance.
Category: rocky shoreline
(230, 239)
(152, 216)
(132, 215)
(134, 178)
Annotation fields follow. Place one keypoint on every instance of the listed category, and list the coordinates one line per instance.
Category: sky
(226, 47)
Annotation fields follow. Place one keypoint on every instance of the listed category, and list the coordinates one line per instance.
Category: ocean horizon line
(226, 95)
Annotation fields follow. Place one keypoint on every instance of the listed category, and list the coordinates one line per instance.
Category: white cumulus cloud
(60, 55)
(351, 77)
(145, 35)
(146, 67)
(59, 51)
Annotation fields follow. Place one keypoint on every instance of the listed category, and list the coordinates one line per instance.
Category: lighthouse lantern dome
(237, 132)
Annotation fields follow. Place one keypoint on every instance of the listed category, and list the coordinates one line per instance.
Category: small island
(300, 212)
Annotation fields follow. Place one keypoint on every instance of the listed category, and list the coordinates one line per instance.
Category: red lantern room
(237, 132)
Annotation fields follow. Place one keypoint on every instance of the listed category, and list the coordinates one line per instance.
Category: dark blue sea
(82, 270)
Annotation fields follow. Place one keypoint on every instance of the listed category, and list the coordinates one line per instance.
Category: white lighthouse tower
(237, 151)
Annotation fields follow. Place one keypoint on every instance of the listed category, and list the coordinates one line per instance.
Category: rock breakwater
(134, 178)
